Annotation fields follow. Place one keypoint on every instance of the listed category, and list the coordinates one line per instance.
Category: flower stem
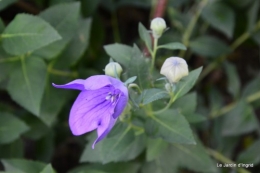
(172, 99)
(218, 156)
(154, 54)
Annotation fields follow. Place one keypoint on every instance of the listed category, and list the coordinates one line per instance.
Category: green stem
(218, 156)
(192, 24)
(154, 54)
(165, 108)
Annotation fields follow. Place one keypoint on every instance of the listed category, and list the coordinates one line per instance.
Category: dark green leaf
(22, 166)
(6, 3)
(12, 150)
(251, 154)
(26, 84)
(64, 18)
(187, 83)
(240, 120)
(145, 36)
(48, 169)
(233, 80)
(252, 87)
(20, 36)
(89, 7)
(155, 148)
(170, 126)
(150, 95)
(173, 46)
(220, 16)
(119, 52)
(252, 15)
(2, 25)
(10, 127)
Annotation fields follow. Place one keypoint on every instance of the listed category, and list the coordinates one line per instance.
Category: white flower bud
(174, 68)
(112, 68)
(158, 26)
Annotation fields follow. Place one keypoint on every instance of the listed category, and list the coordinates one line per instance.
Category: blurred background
(223, 36)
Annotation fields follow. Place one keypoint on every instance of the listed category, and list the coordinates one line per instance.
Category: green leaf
(203, 46)
(77, 45)
(11, 128)
(187, 83)
(145, 36)
(251, 154)
(22, 166)
(233, 80)
(155, 148)
(123, 146)
(252, 87)
(150, 95)
(12, 150)
(20, 36)
(108, 168)
(139, 66)
(170, 126)
(89, 7)
(240, 120)
(26, 83)
(173, 46)
(119, 52)
(64, 18)
(48, 169)
(221, 17)
(252, 15)
(6, 3)
(130, 80)
(2, 25)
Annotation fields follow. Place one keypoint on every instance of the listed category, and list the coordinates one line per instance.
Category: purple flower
(101, 100)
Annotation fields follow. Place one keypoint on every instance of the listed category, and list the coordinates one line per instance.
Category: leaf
(123, 146)
(221, 17)
(252, 87)
(77, 45)
(251, 154)
(187, 83)
(11, 128)
(233, 80)
(173, 46)
(2, 25)
(150, 95)
(145, 36)
(119, 52)
(240, 120)
(203, 46)
(108, 168)
(89, 7)
(170, 126)
(6, 3)
(139, 66)
(48, 169)
(64, 18)
(155, 148)
(26, 84)
(22, 166)
(20, 36)
(130, 80)
(252, 15)
(12, 150)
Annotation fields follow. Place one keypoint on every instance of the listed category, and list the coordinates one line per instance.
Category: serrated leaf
(173, 46)
(119, 52)
(251, 154)
(11, 128)
(150, 95)
(64, 18)
(155, 147)
(170, 126)
(221, 17)
(233, 80)
(22, 166)
(48, 169)
(26, 83)
(187, 83)
(145, 36)
(6, 3)
(20, 36)
(203, 46)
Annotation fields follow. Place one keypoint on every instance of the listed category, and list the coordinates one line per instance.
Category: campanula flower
(158, 26)
(174, 68)
(101, 100)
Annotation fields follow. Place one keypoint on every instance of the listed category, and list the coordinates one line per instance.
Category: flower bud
(168, 87)
(113, 69)
(174, 68)
(158, 26)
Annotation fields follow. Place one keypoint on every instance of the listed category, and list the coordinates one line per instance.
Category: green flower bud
(113, 69)
(168, 87)
(158, 26)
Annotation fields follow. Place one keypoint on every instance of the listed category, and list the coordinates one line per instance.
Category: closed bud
(113, 69)
(157, 26)
(168, 87)
(174, 68)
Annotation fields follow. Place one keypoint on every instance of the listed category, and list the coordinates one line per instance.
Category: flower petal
(107, 123)
(121, 104)
(77, 84)
(89, 109)
(96, 82)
